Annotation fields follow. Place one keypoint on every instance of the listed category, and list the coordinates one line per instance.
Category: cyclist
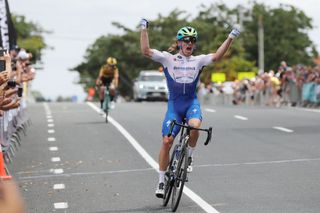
(108, 79)
(182, 72)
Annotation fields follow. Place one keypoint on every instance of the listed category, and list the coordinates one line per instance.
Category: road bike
(176, 174)
(106, 102)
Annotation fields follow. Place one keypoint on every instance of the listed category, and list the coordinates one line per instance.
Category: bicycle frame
(176, 174)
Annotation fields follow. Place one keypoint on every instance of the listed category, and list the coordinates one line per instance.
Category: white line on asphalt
(308, 110)
(62, 205)
(68, 175)
(53, 148)
(50, 120)
(197, 199)
(50, 125)
(56, 171)
(51, 139)
(260, 162)
(49, 116)
(59, 186)
(50, 131)
(283, 129)
(55, 159)
(47, 109)
(241, 117)
(210, 110)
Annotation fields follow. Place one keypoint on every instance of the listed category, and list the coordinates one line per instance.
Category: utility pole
(261, 45)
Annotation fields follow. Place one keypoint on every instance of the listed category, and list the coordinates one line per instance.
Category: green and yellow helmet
(187, 32)
(111, 61)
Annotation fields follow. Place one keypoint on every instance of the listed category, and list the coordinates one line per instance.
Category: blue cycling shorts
(178, 110)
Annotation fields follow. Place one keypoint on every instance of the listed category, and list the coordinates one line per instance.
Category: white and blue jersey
(182, 74)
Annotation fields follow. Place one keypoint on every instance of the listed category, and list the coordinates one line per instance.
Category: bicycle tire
(181, 175)
(168, 182)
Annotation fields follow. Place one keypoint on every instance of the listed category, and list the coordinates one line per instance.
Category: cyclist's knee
(194, 122)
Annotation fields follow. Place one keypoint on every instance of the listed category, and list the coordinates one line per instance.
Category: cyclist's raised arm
(226, 44)
(116, 78)
(144, 39)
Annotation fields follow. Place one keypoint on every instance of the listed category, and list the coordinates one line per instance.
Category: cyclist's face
(187, 45)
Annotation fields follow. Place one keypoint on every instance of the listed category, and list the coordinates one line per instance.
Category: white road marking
(68, 175)
(57, 171)
(62, 205)
(210, 110)
(308, 110)
(283, 129)
(49, 116)
(53, 148)
(55, 159)
(50, 125)
(59, 186)
(241, 117)
(197, 199)
(50, 120)
(47, 109)
(50, 131)
(51, 139)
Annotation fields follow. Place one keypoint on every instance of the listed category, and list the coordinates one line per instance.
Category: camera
(12, 83)
(20, 90)
(2, 52)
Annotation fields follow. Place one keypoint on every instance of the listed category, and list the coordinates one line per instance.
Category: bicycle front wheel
(180, 178)
(168, 179)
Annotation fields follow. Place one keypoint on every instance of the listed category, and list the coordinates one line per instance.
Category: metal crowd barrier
(307, 95)
(13, 126)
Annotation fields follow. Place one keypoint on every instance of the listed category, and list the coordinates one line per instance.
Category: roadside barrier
(13, 125)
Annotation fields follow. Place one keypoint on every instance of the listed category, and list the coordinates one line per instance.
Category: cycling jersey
(107, 75)
(182, 74)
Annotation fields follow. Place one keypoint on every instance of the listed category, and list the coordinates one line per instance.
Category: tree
(29, 36)
(285, 33)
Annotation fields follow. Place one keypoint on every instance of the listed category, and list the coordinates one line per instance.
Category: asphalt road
(260, 160)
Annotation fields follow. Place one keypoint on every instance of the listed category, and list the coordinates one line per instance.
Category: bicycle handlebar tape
(3, 172)
(209, 136)
(171, 127)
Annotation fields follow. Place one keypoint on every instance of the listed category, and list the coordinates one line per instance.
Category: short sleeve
(160, 56)
(205, 60)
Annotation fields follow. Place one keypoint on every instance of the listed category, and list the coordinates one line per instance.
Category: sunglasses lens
(189, 39)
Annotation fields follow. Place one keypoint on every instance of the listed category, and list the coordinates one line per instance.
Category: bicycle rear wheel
(180, 178)
(168, 179)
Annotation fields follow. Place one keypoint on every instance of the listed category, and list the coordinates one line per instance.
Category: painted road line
(241, 117)
(197, 199)
(50, 131)
(210, 110)
(51, 139)
(50, 120)
(57, 171)
(49, 116)
(55, 159)
(47, 109)
(61, 205)
(283, 129)
(59, 186)
(53, 148)
(50, 125)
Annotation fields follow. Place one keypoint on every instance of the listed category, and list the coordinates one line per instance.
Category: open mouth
(189, 48)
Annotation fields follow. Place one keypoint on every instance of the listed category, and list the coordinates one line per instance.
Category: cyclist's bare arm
(144, 39)
(226, 44)
(116, 78)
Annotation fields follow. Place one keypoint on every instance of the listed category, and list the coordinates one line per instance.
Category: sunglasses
(189, 39)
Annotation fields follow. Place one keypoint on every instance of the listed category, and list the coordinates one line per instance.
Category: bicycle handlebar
(208, 131)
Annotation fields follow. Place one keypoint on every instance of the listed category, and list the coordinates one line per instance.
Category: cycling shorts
(178, 110)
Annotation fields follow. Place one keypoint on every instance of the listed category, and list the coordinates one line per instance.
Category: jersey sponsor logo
(184, 68)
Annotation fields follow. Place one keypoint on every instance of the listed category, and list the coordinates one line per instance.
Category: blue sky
(77, 23)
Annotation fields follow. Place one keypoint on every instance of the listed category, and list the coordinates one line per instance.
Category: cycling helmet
(187, 31)
(111, 61)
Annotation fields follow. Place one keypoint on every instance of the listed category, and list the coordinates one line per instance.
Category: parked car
(150, 85)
